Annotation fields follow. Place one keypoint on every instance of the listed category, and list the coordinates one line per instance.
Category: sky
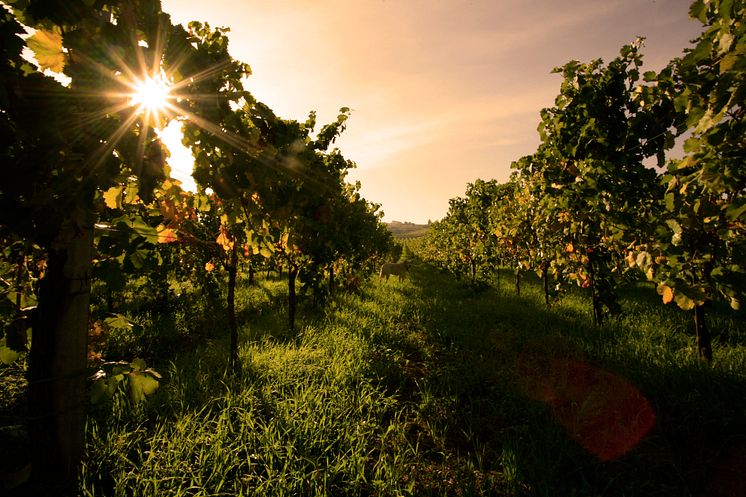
(442, 92)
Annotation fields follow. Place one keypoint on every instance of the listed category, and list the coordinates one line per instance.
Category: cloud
(378, 143)
(442, 91)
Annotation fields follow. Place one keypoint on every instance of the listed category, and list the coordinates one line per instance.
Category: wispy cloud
(442, 91)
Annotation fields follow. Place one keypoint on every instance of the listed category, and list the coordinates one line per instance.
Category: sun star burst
(151, 95)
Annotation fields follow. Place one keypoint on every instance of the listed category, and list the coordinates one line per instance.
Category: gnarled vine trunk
(595, 298)
(252, 273)
(58, 359)
(704, 344)
(292, 298)
(232, 271)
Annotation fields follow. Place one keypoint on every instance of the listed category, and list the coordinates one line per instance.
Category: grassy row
(430, 387)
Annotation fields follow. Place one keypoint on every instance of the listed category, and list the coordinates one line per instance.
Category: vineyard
(575, 330)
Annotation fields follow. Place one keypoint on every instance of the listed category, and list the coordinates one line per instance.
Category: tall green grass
(417, 388)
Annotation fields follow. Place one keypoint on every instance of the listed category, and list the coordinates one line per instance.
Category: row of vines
(86, 197)
(590, 208)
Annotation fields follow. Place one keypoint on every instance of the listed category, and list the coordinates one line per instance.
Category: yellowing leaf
(631, 262)
(728, 62)
(224, 241)
(47, 48)
(684, 302)
(209, 266)
(569, 248)
(667, 295)
(166, 235)
(113, 197)
(644, 259)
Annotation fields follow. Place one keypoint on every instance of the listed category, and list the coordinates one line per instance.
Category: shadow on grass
(492, 394)
(555, 406)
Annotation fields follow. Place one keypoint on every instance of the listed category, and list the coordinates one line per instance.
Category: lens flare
(151, 95)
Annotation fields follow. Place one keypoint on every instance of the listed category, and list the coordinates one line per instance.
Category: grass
(431, 387)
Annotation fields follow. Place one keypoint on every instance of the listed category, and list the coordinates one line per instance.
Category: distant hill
(407, 230)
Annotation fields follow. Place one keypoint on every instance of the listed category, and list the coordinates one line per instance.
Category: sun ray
(145, 96)
(108, 146)
(151, 94)
(200, 76)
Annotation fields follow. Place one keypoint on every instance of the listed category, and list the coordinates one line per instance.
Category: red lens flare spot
(605, 413)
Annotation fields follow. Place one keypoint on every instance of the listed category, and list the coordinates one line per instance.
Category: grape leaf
(666, 292)
(684, 302)
(113, 197)
(47, 48)
(224, 241)
(166, 235)
(7, 355)
(98, 390)
(138, 364)
(141, 384)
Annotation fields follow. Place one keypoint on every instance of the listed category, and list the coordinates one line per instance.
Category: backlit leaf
(699, 10)
(684, 302)
(113, 197)
(667, 294)
(166, 235)
(141, 384)
(47, 48)
(729, 61)
(670, 201)
(644, 259)
(118, 321)
(225, 242)
(7, 355)
(138, 364)
(631, 259)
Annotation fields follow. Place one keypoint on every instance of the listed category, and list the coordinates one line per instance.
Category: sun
(151, 95)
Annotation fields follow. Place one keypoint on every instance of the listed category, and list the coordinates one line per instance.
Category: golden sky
(442, 92)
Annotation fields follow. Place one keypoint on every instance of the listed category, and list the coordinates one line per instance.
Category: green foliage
(7, 355)
(464, 242)
(588, 171)
(133, 377)
(416, 389)
(701, 239)
(375, 388)
(585, 208)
